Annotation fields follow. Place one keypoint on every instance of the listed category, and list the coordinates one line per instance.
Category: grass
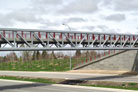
(37, 65)
(44, 65)
(40, 80)
(41, 65)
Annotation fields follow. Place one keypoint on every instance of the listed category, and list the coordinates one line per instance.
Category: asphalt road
(82, 76)
(19, 86)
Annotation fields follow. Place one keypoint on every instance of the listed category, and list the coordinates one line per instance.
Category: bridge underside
(29, 39)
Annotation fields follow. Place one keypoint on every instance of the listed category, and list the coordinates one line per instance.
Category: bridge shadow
(101, 78)
(19, 86)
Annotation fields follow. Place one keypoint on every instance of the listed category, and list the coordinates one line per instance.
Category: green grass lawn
(38, 65)
(40, 80)
(45, 65)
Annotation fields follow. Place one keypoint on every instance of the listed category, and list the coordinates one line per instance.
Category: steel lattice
(32, 39)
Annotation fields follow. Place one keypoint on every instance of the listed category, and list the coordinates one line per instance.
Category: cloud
(89, 27)
(126, 5)
(65, 7)
(49, 24)
(22, 16)
(116, 17)
(121, 5)
(47, 2)
(105, 29)
(80, 6)
(102, 27)
(46, 6)
(5, 21)
(75, 19)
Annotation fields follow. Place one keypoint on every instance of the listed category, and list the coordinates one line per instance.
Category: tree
(11, 57)
(14, 56)
(44, 55)
(78, 53)
(26, 55)
(34, 55)
(53, 55)
(1, 58)
(38, 56)
(4, 59)
(59, 55)
(87, 54)
(93, 53)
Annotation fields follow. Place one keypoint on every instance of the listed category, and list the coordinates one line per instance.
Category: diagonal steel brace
(24, 40)
(42, 42)
(7, 40)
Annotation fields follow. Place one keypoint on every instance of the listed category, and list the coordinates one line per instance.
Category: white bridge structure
(13, 39)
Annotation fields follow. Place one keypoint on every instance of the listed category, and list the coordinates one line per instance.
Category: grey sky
(116, 17)
(86, 15)
(120, 16)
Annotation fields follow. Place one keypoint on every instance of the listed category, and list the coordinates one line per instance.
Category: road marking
(16, 81)
(94, 88)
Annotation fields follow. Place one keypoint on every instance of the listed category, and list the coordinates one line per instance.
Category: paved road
(19, 86)
(101, 77)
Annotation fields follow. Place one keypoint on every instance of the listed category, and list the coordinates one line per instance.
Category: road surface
(81, 76)
(20, 86)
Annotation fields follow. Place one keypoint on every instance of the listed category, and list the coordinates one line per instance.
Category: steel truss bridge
(12, 39)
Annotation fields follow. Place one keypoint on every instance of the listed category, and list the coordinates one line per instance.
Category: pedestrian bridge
(13, 39)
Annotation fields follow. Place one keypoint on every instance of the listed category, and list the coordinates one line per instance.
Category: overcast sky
(114, 16)
(120, 16)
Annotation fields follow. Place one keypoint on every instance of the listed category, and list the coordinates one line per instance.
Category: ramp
(99, 59)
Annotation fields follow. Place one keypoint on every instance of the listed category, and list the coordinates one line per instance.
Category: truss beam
(64, 40)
